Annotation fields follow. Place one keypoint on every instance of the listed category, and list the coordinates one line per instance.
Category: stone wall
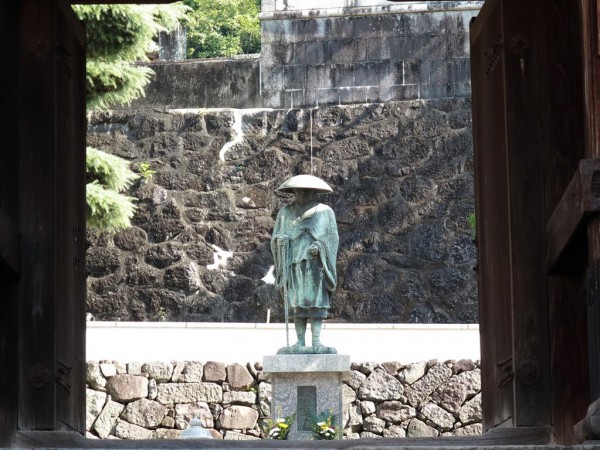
(157, 399)
(338, 52)
(202, 83)
(199, 247)
(344, 52)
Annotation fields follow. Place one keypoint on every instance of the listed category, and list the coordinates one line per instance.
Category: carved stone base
(306, 385)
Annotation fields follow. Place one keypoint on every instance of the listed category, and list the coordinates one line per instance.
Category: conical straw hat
(304, 182)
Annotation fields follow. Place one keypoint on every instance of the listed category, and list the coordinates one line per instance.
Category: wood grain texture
(526, 211)
(9, 182)
(592, 150)
(37, 144)
(562, 109)
(69, 238)
(578, 202)
(492, 209)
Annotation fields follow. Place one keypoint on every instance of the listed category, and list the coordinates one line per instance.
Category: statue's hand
(313, 250)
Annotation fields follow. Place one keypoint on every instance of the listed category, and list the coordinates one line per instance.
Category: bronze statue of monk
(304, 245)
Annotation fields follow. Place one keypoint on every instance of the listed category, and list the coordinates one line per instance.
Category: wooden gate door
(510, 215)
(69, 260)
(491, 184)
(52, 221)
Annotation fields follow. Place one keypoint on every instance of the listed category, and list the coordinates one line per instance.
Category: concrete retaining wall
(363, 52)
(343, 52)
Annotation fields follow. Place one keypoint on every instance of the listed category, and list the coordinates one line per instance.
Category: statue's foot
(322, 349)
(295, 349)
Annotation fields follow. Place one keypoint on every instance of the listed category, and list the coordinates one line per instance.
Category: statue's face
(304, 196)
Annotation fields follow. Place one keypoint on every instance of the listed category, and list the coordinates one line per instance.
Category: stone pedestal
(306, 385)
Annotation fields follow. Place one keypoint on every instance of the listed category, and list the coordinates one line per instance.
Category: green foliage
(107, 210)
(145, 171)
(118, 36)
(110, 171)
(472, 220)
(223, 28)
(108, 175)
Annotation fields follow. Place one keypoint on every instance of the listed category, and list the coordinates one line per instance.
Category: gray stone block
(357, 94)
(471, 411)
(277, 52)
(127, 387)
(274, 30)
(340, 27)
(94, 404)
(315, 52)
(389, 25)
(238, 417)
(458, 45)
(215, 371)
(380, 385)
(414, 72)
(425, 23)
(306, 363)
(378, 49)
(416, 428)
(298, 53)
(399, 48)
(399, 92)
(231, 435)
(158, 370)
(238, 376)
(294, 375)
(435, 90)
(145, 413)
(367, 27)
(126, 430)
(368, 73)
(93, 376)
(431, 47)
(324, 97)
(342, 75)
(303, 29)
(107, 419)
(318, 76)
(295, 77)
(401, 25)
(345, 51)
(272, 78)
(170, 393)
(438, 416)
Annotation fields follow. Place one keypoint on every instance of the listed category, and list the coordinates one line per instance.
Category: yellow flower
(283, 425)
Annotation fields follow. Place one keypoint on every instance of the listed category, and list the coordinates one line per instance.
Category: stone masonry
(336, 52)
(199, 248)
(156, 400)
(344, 52)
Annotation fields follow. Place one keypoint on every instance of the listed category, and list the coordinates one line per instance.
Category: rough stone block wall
(156, 400)
(199, 248)
(314, 53)
(364, 54)
(202, 83)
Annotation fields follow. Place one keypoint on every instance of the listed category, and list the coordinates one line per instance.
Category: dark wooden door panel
(69, 264)
(492, 206)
